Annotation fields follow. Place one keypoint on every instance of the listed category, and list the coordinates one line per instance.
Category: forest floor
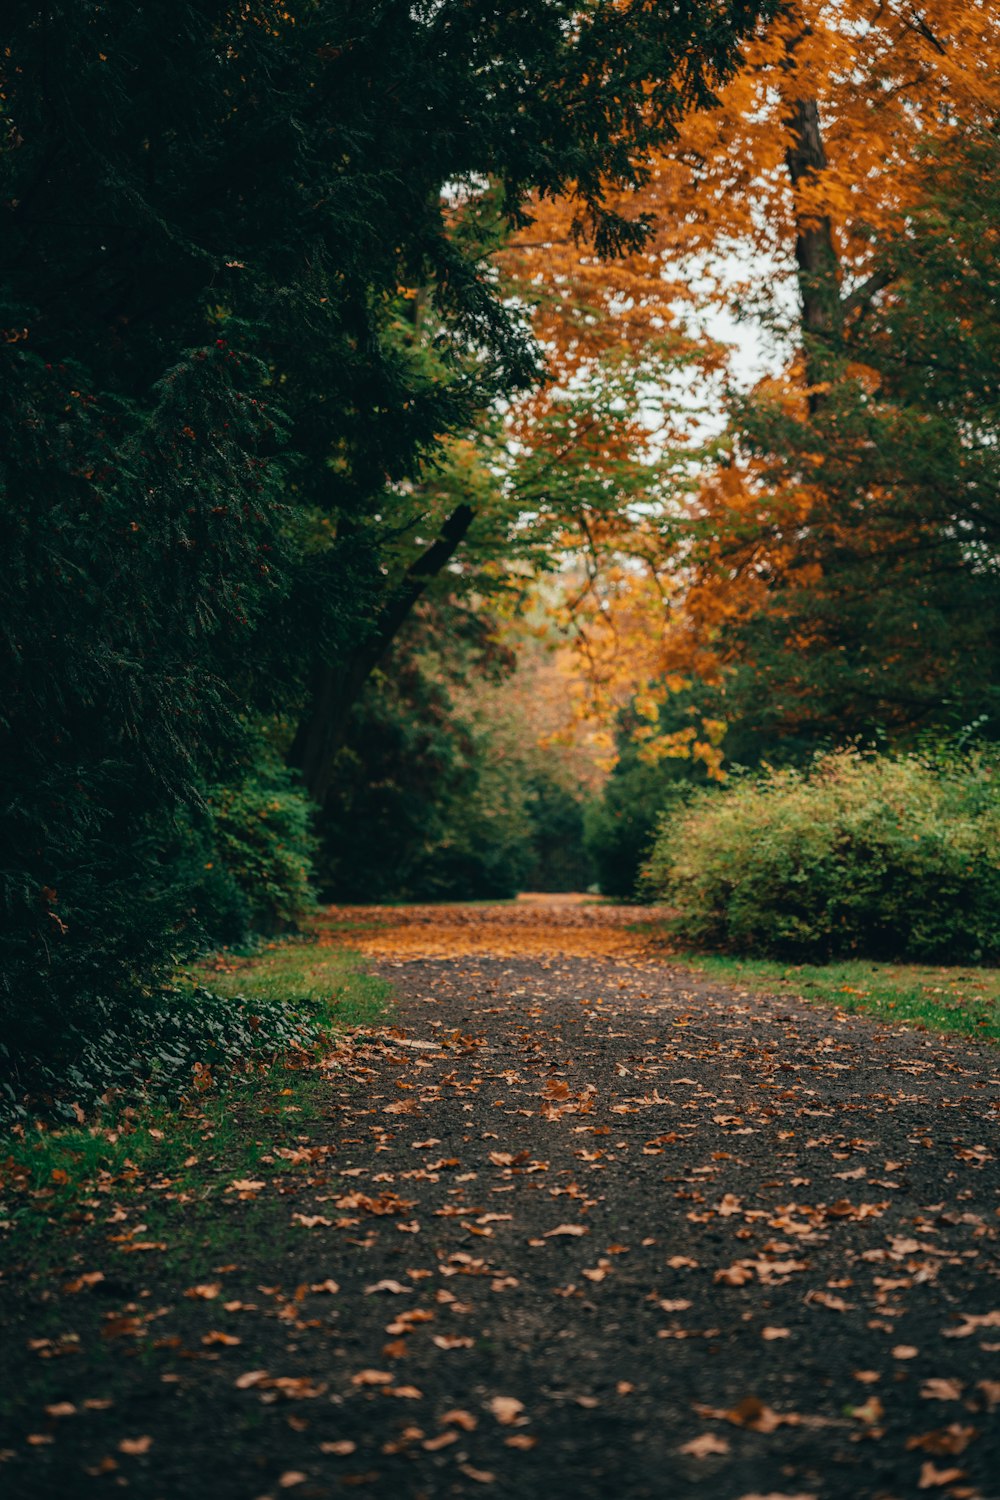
(573, 1220)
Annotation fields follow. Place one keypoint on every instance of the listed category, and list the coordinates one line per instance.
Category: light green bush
(876, 856)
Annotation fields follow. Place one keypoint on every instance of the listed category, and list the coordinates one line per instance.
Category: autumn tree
(830, 502)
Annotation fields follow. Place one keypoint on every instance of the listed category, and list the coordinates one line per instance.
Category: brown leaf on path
(339, 1449)
(942, 1390)
(310, 1221)
(105, 1465)
(703, 1446)
(991, 1392)
(905, 1351)
(598, 1272)
(396, 1287)
(250, 1379)
(451, 1341)
(931, 1477)
(372, 1377)
(733, 1276)
(329, 1285)
(291, 1478)
(945, 1442)
(753, 1413)
(61, 1409)
(481, 1476)
(443, 1439)
(573, 1229)
(870, 1412)
(827, 1299)
(971, 1324)
(459, 1418)
(135, 1447)
(216, 1336)
(404, 1392)
(776, 1495)
(83, 1283)
(769, 1334)
(521, 1440)
(506, 1409)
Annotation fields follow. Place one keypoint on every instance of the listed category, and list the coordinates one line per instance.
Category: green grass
(961, 999)
(301, 972)
(48, 1175)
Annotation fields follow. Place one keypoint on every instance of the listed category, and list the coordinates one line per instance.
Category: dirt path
(581, 1224)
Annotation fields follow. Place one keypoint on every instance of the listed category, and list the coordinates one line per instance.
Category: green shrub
(257, 876)
(169, 1041)
(876, 856)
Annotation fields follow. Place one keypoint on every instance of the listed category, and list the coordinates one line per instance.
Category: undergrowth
(235, 1105)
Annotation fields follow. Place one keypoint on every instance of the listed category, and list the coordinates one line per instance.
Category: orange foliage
(573, 926)
(812, 155)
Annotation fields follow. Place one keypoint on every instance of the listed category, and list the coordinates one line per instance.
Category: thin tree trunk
(337, 685)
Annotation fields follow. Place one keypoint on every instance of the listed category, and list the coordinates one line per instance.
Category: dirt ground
(576, 1223)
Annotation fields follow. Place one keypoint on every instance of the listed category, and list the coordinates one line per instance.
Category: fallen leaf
(459, 1418)
(443, 1439)
(506, 1409)
(733, 1276)
(206, 1292)
(372, 1377)
(942, 1390)
(931, 1477)
(945, 1442)
(83, 1283)
(702, 1447)
(870, 1412)
(135, 1447)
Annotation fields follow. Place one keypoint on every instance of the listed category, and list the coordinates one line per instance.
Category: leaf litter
(696, 1230)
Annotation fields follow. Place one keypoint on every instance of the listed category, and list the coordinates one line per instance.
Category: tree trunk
(336, 686)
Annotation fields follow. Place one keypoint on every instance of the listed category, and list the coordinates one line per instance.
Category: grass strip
(962, 1000)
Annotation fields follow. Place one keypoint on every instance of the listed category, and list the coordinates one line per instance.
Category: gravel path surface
(588, 1226)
